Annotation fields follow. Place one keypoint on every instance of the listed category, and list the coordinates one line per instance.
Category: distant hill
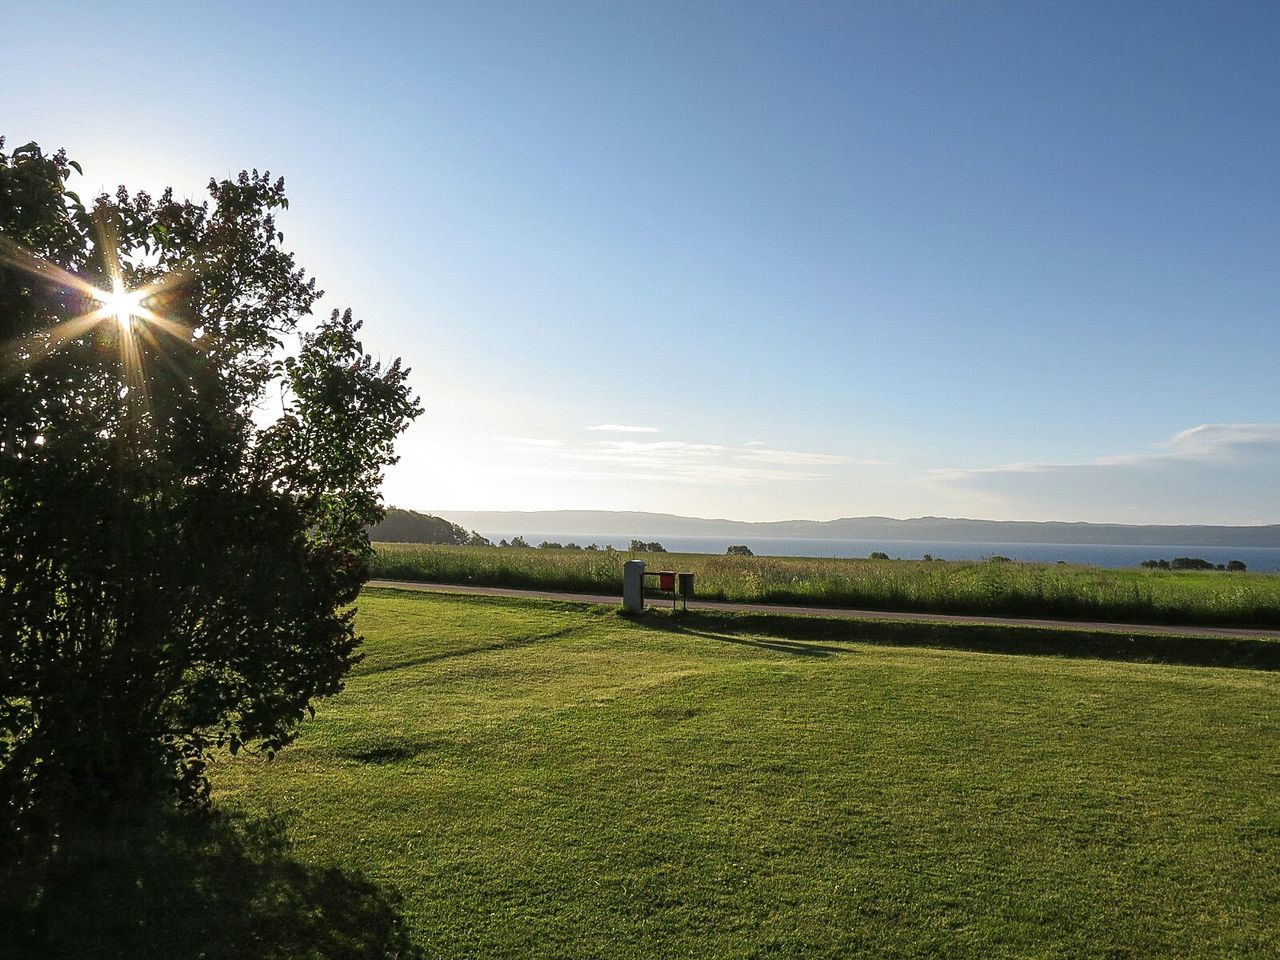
(655, 525)
(409, 526)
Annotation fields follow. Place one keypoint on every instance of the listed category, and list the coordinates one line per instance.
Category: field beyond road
(991, 588)
(541, 779)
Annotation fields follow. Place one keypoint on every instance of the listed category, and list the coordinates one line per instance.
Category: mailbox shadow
(170, 884)
(811, 636)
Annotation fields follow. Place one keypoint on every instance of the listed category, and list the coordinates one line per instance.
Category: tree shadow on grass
(168, 884)
(812, 636)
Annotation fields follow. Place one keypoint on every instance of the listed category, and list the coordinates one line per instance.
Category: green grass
(1009, 589)
(550, 780)
(512, 779)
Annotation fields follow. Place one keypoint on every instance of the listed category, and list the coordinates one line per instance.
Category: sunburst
(123, 304)
(131, 310)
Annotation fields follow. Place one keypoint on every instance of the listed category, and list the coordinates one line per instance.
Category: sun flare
(122, 304)
(133, 311)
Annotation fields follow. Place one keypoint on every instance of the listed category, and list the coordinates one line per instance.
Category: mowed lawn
(539, 779)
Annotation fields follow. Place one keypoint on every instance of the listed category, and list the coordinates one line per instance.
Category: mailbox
(633, 586)
(680, 586)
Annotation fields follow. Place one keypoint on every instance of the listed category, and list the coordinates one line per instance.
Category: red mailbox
(666, 580)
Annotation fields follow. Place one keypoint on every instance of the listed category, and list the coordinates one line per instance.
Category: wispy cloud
(667, 461)
(766, 455)
(1221, 443)
(532, 443)
(1215, 472)
(623, 428)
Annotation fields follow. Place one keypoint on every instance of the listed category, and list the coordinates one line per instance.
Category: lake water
(1258, 559)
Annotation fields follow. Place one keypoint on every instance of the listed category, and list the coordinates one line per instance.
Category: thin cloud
(1209, 443)
(533, 443)
(1213, 473)
(717, 475)
(766, 455)
(678, 461)
(623, 428)
(636, 460)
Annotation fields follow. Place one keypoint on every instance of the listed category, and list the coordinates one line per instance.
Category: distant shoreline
(650, 526)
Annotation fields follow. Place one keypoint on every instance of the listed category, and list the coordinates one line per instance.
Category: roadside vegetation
(994, 587)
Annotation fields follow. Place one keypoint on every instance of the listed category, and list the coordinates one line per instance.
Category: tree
(739, 550)
(410, 526)
(878, 555)
(176, 568)
(1237, 566)
(519, 542)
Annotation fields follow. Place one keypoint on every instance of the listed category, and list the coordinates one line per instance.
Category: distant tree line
(410, 526)
(1194, 563)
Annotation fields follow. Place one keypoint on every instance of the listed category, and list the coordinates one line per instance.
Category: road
(790, 611)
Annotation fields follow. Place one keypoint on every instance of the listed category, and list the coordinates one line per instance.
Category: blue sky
(1003, 260)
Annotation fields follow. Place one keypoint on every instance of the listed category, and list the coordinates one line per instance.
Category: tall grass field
(989, 587)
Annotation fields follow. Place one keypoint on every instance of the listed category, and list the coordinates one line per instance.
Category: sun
(122, 304)
(137, 321)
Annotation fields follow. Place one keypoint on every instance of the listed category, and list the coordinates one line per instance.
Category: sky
(749, 260)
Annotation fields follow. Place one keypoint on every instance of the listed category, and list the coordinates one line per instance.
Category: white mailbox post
(633, 586)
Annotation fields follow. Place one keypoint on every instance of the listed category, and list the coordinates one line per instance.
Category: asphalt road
(616, 600)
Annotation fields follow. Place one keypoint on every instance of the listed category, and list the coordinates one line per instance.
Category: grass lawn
(536, 779)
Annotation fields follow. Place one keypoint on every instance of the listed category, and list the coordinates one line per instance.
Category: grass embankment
(990, 588)
(539, 779)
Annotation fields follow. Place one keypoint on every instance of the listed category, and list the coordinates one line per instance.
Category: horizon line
(677, 516)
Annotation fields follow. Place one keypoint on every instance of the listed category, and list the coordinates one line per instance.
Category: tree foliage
(176, 570)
